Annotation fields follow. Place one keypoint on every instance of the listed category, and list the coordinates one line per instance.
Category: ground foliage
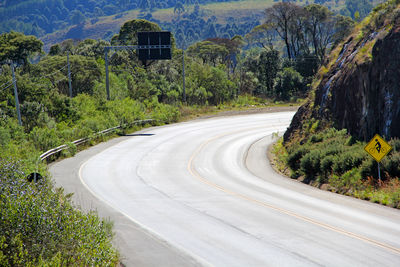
(338, 162)
(39, 225)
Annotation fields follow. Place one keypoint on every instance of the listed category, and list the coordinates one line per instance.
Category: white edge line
(152, 233)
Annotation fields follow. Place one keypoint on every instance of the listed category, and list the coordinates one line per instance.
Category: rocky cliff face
(361, 89)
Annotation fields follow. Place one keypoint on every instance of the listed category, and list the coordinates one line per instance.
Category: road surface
(202, 193)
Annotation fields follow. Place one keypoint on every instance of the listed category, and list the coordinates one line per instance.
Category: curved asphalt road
(202, 193)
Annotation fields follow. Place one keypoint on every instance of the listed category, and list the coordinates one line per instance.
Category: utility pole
(69, 76)
(107, 79)
(16, 94)
(183, 74)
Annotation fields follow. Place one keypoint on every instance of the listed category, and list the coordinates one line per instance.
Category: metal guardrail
(58, 149)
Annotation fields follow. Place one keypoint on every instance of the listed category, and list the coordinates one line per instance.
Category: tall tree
(179, 8)
(211, 31)
(144, 4)
(320, 27)
(128, 32)
(209, 51)
(262, 35)
(299, 42)
(18, 47)
(343, 27)
(288, 83)
(265, 66)
(232, 47)
(77, 17)
(363, 7)
(281, 16)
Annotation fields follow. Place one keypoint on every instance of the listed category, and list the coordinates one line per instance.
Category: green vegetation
(334, 160)
(40, 227)
(230, 71)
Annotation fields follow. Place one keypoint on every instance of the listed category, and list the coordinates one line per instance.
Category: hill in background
(56, 20)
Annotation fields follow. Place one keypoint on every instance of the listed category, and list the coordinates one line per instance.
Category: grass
(280, 156)
(222, 10)
(365, 53)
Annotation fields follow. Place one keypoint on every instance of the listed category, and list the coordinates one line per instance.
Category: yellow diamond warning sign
(377, 148)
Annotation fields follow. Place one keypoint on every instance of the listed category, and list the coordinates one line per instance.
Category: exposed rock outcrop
(361, 90)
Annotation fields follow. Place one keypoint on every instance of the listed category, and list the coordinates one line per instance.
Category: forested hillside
(39, 17)
(56, 20)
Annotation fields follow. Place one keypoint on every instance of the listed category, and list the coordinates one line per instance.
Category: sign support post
(379, 172)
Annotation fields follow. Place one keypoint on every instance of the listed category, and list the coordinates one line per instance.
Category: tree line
(190, 24)
(40, 17)
(308, 30)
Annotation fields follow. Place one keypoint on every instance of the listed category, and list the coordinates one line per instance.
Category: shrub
(316, 138)
(125, 111)
(165, 113)
(288, 83)
(295, 156)
(310, 163)
(395, 144)
(39, 226)
(5, 136)
(326, 164)
(347, 183)
(44, 138)
(368, 168)
(393, 189)
(348, 160)
(391, 164)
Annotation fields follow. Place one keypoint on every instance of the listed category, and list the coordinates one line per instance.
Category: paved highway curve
(201, 193)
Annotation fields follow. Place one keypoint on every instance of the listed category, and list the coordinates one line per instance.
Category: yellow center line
(194, 173)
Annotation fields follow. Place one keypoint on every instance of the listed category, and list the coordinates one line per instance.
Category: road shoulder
(137, 246)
